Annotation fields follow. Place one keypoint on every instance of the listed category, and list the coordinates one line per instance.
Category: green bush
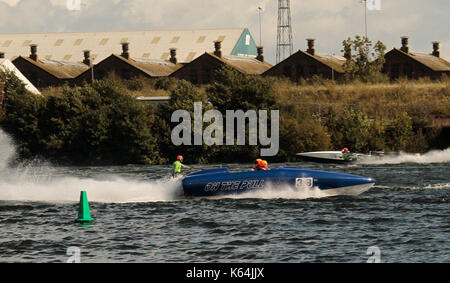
(233, 90)
(93, 124)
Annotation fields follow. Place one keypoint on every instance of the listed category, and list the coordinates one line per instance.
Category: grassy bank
(103, 123)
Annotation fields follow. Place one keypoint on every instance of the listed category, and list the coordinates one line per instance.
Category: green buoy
(84, 214)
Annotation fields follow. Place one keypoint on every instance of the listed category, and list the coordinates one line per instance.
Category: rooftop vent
(173, 55)
(436, 49)
(33, 50)
(311, 49)
(218, 48)
(405, 42)
(260, 56)
(87, 57)
(125, 50)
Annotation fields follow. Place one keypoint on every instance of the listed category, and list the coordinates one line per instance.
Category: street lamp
(260, 9)
(365, 14)
(92, 70)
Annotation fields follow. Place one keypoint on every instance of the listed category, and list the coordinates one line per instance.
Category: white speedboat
(339, 156)
(221, 181)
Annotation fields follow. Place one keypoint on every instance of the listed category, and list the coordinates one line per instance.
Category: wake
(67, 189)
(7, 150)
(434, 156)
(37, 183)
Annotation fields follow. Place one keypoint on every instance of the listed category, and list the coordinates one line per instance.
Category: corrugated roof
(332, 61)
(152, 67)
(244, 64)
(434, 63)
(106, 43)
(59, 69)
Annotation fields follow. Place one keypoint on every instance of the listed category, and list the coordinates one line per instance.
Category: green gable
(245, 45)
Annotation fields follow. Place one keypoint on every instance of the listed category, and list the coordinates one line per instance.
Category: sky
(329, 22)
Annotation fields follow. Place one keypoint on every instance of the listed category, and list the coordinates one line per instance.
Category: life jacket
(257, 163)
(261, 165)
(176, 167)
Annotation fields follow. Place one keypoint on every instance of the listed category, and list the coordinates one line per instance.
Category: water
(142, 217)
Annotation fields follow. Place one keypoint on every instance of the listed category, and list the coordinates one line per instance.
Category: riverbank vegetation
(103, 123)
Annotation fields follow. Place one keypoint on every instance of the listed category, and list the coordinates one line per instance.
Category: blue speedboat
(216, 182)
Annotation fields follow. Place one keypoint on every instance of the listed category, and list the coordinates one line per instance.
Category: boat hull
(338, 157)
(326, 157)
(221, 181)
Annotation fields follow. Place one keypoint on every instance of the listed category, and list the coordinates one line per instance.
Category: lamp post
(332, 71)
(92, 70)
(260, 10)
(365, 14)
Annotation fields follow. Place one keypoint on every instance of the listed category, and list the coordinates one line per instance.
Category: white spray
(7, 150)
(67, 189)
(434, 156)
(42, 183)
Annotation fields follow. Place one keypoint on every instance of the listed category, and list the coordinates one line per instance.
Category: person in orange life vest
(261, 165)
(257, 164)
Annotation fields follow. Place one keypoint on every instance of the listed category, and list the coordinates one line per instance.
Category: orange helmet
(180, 158)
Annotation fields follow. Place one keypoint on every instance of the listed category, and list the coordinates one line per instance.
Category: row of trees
(101, 123)
(365, 60)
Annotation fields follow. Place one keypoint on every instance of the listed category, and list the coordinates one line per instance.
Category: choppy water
(141, 217)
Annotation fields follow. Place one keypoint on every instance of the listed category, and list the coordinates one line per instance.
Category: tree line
(102, 123)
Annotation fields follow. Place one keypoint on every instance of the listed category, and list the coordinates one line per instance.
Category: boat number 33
(304, 183)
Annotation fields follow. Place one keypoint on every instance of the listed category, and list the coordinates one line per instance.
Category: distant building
(154, 100)
(8, 66)
(147, 44)
(305, 65)
(413, 65)
(44, 73)
(202, 69)
(127, 67)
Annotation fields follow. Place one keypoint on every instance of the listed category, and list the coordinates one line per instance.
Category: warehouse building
(202, 69)
(44, 73)
(306, 64)
(69, 46)
(127, 67)
(405, 63)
